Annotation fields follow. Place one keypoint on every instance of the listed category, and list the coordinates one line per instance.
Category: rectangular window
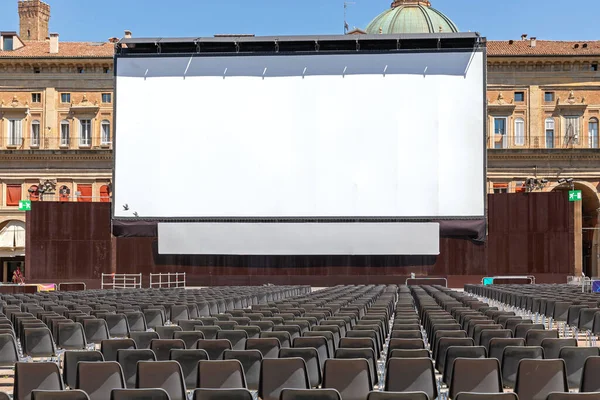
(80, 70)
(500, 141)
(35, 134)
(65, 132)
(36, 97)
(105, 137)
(519, 96)
(13, 195)
(549, 133)
(85, 132)
(549, 97)
(595, 67)
(106, 97)
(8, 44)
(37, 70)
(106, 70)
(593, 133)
(85, 193)
(15, 132)
(500, 188)
(571, 130)
(519, 132)
(65, 97)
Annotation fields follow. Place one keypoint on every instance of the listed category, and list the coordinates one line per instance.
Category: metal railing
(56, 143)
(168, 280)
(78, 285)
(121, 281)
(543, 142)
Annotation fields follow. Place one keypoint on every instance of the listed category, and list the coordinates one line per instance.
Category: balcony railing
(56, 143)
(543, 142)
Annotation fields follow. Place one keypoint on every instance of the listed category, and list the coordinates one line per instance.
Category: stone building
(56, 117)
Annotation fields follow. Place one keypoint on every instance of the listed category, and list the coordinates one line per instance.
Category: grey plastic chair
(164, 374)
(139, 394)
(35, 376)
(350, 377)
(222, 394)
(536, 379)
(128, 359)
(57, 395)
(221, 374)
(283, 373)
(98, 379)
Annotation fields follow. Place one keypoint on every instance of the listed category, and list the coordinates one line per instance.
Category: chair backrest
(35, 376)
(486, 396)
(444, 344)
(536, 379)
(38, 343)
(162, 347)
(575, 358)
(553, 346)
(269, 347)
(366, 353)
(188, 359)
(511, 358)
(179, 312)
(71, 336)
(534, 337)
(58, 395)
(214, 347)
(142, 339)
(118, 326)
(330, 338)
(70, 360)
(96, 330)
(418, 353)
(522, 329)
(139, 394)
(397, 396)
(166, 332)
(99, 378)
(136, 321)
(445, 333)
(8, 350)
(282, 373)
(589, 377)
(164, 374)
(351, 377)
(252, 331)
(237, 338)
(154, 318)
(456, 352)
(312, 394)
(483, 327)
(222, 394)
(319, 343)
(496, 346)
(221, 374)
(487, 335)
(285, 340)
(573, 396)
(189, 325)
(128, 359)
(210, 332)
(475, 376)
(411, 375)
(251, 361)
(110, 347)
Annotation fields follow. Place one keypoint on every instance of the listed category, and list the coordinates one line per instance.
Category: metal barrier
(490, 280)
(168, 280)
(426, 281)
(121, 281)
(79, 285)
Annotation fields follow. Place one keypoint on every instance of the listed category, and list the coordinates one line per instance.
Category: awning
(12, 239)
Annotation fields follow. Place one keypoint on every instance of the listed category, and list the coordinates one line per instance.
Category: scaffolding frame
(121, 281)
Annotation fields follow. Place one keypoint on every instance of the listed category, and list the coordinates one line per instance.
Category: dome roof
(411, 16)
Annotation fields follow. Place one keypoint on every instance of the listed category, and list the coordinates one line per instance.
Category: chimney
(127, 34)
(533, 41)
(524, 36)
(113, 40)
(54, 43)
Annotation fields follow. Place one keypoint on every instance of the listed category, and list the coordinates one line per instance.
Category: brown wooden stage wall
(528, 234)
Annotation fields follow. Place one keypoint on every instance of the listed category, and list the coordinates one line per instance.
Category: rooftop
(533, 47)
(41, 49)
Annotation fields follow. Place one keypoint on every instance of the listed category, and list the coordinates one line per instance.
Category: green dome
(411, 16)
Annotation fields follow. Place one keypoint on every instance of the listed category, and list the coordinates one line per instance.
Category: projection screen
(301, 136)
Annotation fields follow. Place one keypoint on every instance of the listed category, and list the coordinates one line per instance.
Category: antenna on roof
(346, 4)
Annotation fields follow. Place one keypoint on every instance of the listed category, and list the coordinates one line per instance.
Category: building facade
(56, 116)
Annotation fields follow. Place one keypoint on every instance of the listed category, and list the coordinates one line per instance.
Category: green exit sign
(25, 205)
(575, 195)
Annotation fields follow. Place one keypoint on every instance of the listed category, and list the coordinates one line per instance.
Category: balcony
(83, 143)
(550, 142)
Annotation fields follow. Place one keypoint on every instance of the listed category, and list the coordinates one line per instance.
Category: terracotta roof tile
(41, 49)
(543, 48)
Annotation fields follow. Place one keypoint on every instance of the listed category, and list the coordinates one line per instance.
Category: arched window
(35, 134)
(549, 133)
(519, 132)
(34, 193)
(65, 133)
(593, 133)
(105, 194)
(105, 133)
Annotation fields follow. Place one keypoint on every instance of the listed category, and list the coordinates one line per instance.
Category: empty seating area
(362, 342)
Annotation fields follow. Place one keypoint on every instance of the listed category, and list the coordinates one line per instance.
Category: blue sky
(91, 20)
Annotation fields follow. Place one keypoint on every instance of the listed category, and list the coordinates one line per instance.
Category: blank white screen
(304, 140)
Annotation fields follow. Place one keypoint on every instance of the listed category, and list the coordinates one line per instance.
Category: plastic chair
(166, 332)
(251, 361)
(58, 395)
(162, 347)
(536, 379)
(128, 359)
(70, 361)
(142, 339)
(411, 375)
(475, 376)
(512, 357)
(222, 394)
(164, 374)
(188, 359)
(575, 358)
(117, 324)
(71, 337)
(98, 379)
(279, 374)
(109, 347)
(35, 376)
(221, 374)
(310, 394)
(310, 356)
(269, 347)
(38, 343)
(589, 377)
(139, 394)
(350, 377)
